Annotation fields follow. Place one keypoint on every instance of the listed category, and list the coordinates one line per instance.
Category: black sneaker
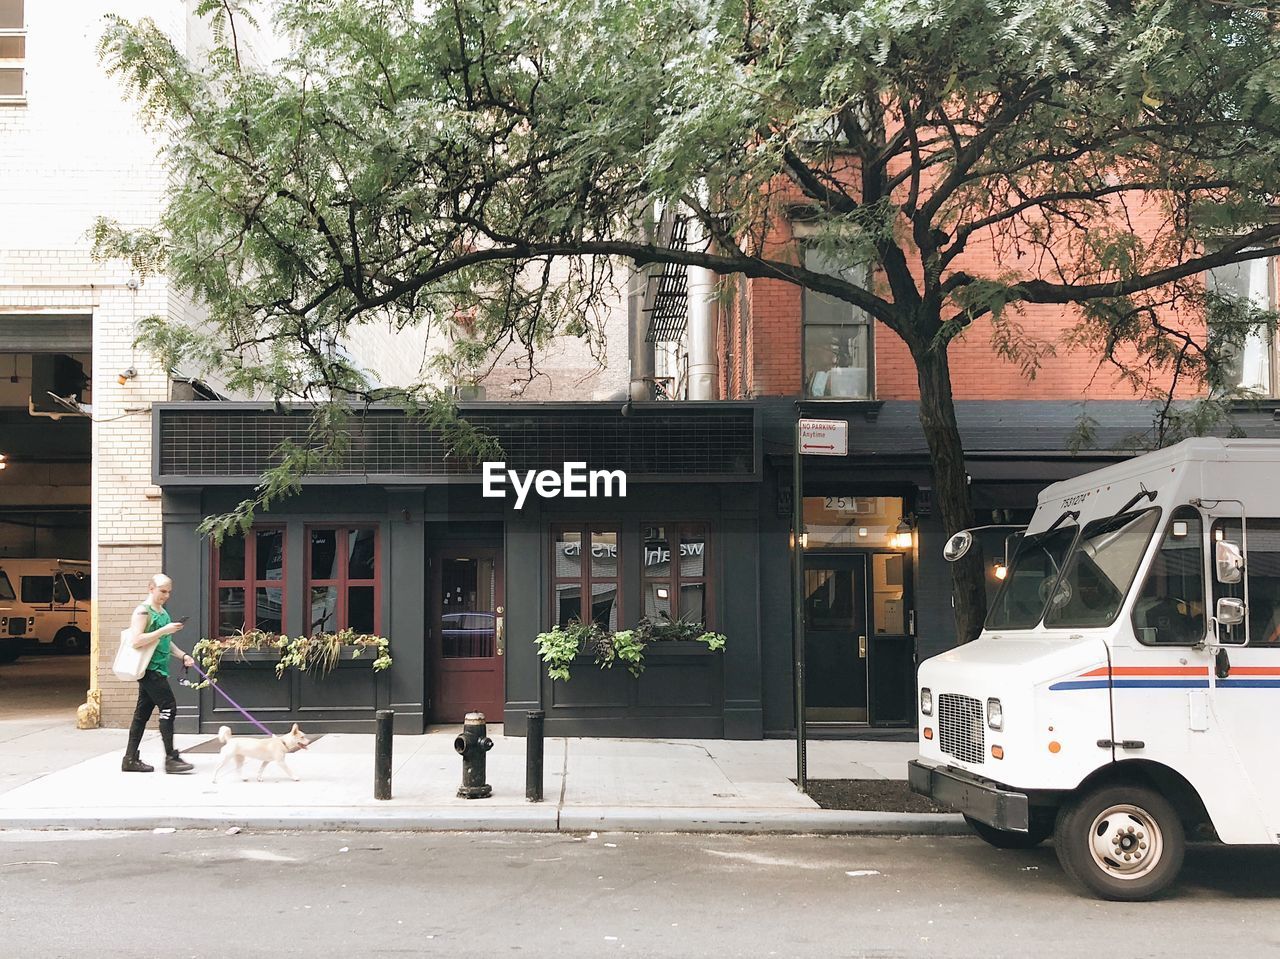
(176, 764)
(132, 764)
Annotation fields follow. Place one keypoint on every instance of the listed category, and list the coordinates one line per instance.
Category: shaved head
(160, 580)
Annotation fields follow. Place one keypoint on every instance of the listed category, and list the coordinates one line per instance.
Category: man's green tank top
(160, 658)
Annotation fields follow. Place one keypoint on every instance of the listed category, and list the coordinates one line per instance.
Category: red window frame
(677, 533)
(584, 579)
(251, 582)
(344, 581)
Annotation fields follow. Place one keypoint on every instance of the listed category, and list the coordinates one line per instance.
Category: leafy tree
(413, 162)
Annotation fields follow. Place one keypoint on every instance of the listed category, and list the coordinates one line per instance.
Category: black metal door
(835, 635)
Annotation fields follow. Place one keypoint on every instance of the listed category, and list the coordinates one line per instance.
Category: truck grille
(961, 730)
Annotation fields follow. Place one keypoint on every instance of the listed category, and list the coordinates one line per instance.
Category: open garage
(45, 511)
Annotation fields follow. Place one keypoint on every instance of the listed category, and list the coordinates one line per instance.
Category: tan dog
(266, 751)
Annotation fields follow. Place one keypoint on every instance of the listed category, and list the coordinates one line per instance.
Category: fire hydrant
(471, 745)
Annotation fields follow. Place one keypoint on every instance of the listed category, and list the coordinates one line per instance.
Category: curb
(548, 819)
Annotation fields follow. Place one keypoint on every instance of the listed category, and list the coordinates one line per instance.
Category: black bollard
(533, 755)
(382, 754)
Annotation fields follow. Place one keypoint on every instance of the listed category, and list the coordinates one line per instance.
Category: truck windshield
(1034, 569)
(1100, 570)
(6, 588)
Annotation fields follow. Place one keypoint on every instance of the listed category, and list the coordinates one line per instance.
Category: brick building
(877, 591)
(71, 150)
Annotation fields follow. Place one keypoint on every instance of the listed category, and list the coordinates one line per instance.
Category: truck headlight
(926, 701)
(995, 714)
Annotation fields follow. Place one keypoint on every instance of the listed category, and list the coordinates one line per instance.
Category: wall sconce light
(804, 540)
(862, 531)
(1001, 570)
(125, 376)
(3, 464)
(902, 536)
(662, 593)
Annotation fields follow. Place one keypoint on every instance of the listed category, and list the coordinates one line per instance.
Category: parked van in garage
(43, 601)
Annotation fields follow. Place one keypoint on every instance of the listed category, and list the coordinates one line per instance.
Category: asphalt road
(207, 894)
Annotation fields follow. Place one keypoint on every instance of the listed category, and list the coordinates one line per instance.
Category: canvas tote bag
(131, 663)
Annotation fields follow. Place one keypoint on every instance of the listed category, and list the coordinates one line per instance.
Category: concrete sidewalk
(57, 777)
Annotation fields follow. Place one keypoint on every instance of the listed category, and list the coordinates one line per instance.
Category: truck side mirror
(1229, 561)
(957, 546)
(1229, 611)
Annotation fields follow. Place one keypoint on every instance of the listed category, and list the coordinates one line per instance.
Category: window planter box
(342, 700)
(679, 695)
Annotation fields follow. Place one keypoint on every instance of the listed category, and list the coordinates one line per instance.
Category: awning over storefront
(233, 443)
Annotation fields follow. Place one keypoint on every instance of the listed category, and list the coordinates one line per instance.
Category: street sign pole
(814, 438)
(797, 601)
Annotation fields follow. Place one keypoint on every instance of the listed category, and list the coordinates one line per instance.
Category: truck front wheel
(1123, 843)
(1040, 829)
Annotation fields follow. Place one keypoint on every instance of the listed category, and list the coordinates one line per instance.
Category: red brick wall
(775, 362)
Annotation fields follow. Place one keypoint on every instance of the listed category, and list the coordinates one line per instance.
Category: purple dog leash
(243, 712)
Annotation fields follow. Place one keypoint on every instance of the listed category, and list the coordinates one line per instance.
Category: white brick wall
(73, 153)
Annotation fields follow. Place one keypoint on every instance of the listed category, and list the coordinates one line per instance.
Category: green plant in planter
(321, 652)
(624, 646)
(557, 647)
(668, 630)
(317, 653)
(209, 652)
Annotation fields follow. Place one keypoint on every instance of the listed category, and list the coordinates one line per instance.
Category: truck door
(1244, 700)
(1160, 683)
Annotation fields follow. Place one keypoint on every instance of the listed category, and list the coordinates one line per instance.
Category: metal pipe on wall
(639, 350)
(703, 309)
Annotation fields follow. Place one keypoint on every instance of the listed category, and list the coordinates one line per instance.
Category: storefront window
(852, 521)
(675, 569)
(342, 579)
(595, 575)
(889, 611)
(249, 589)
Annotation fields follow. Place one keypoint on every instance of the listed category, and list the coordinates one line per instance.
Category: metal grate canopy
(232, 441)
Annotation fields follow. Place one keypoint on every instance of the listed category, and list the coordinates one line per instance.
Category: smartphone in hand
(183, 619)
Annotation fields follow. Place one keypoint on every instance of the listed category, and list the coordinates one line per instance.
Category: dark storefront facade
(400, 542)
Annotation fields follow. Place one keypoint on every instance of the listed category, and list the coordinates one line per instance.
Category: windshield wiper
(1069, 514)
(1144, 493)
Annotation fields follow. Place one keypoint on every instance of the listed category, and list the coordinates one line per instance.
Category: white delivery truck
(44, 601)
(1123, 693)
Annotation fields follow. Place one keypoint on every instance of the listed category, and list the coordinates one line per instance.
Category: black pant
(153, 693)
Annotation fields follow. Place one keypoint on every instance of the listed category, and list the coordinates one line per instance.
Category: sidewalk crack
(564, 782)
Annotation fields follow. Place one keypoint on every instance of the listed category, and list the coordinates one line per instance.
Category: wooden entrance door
(467, 638)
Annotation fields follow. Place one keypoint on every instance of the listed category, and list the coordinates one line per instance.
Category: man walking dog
(152, 622)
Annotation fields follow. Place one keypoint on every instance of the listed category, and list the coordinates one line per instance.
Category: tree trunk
(951, 485)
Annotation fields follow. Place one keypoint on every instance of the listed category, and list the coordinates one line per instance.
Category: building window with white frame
(1252, 366)
(837, 338)
(13, 52)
